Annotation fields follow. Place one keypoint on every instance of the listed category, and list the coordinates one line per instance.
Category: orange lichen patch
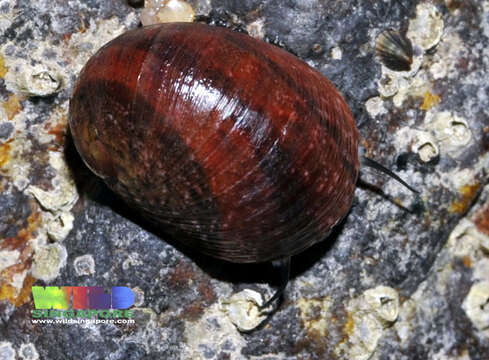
(482, 220)
(67, 37)
(20, 242)
(316, 324)
(58, 127)
(3, 68)
(24, 235)
(10, 293)
(366, 145)
(5, 153)
(12, 106)
(468, 193)
(430, 100)
(59, 132)
(7, 290)
(466, 261)
(25, 294)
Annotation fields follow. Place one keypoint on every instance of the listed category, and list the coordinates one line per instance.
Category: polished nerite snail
(236, 147)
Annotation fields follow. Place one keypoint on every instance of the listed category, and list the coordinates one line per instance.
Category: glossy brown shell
(234, 146)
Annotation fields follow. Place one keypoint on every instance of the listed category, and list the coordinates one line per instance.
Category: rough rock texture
(401, 278)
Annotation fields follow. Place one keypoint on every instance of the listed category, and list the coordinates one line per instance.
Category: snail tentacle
(284, 269)
(365, 161)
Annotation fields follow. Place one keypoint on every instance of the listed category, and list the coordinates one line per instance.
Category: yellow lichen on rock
(468, 193)
(3, 68)
(4, 153)
(12, 106)
(430, 100)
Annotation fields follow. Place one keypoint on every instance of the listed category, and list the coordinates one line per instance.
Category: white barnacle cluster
(402, 55)
(58, 201)
(44, 73)
(225, 334)
(450, 131)
(467, 247)
(441, 133)
(373, 312)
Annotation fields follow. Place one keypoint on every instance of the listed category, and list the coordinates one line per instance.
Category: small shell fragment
(257, 28)
(466, 239)
(59, 228)
(395, 50)
(163, 11)
(336, 53)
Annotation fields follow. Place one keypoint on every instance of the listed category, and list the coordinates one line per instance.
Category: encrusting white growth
(243, 309)
(84, 265)
(426, 146)
(371, 313)
(7, 351)
(28, 351)
(48, 260)
(451, 132)
(476, 303)
(426, 29)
